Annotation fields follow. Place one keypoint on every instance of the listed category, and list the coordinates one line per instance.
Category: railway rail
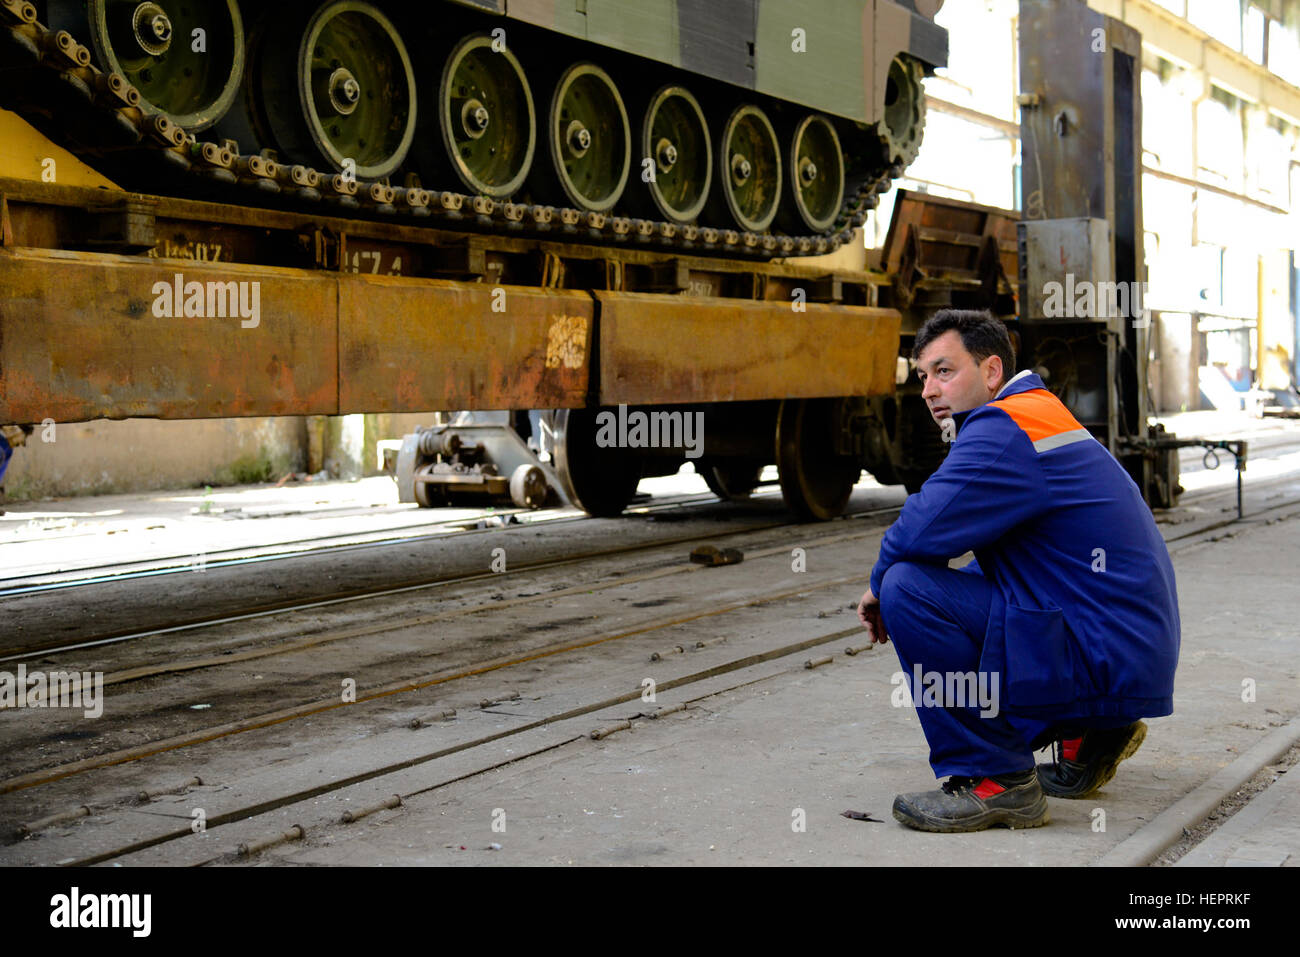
(621, 578)
(106, 572)
(748, 525)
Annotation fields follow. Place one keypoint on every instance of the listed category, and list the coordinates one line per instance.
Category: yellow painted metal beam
(657, 349)
(97, 335)
(25, 153)
(408, 345)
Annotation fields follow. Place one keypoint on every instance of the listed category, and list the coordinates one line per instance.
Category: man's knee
(902, 580)
(903, 584)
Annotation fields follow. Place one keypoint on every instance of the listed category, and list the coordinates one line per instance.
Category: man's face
(952, 380)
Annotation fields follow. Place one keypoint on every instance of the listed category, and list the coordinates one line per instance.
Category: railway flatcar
(569, 207)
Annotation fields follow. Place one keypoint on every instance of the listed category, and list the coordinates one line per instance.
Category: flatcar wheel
(357, 89)
(599, 480)
(731, 479)
(816, 175)
(675, 136)
(749, 169)
(590, 138)
(815, 482)
(528, 488)
(428, 494)
(154, 46)
(485, 111)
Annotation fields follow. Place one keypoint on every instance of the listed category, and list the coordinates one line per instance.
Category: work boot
(1080, 766)
(973, 804)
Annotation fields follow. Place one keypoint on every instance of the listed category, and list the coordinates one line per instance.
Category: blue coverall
(1070, 605)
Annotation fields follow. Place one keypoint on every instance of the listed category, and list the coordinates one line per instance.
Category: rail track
(337, 545)
(382, 776)
(17, 585)
(386, 588)
(229, 655)
(470, 742)
(682, 637)
(641, 632)
(78, 577)
(391, 589)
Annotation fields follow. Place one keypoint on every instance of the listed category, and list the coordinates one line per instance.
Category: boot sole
(1036, 815)
(1105, 775)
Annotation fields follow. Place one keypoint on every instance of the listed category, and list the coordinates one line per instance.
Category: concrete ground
(760, 773)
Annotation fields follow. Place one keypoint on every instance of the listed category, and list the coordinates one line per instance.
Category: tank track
(50, 79)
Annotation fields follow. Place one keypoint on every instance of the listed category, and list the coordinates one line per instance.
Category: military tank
(746, 127)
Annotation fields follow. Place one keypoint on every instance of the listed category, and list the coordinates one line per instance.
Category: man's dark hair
(982, 335)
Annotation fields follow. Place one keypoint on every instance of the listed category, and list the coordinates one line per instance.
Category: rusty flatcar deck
(120, 304)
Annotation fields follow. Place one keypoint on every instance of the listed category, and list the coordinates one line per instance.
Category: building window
(1283, 42)
(1255, 35)
(1221, 19)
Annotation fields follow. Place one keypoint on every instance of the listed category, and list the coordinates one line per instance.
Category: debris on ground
(712, 555)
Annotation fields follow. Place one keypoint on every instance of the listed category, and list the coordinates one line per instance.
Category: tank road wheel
(749, 169)
(675, 135)
(357, 88)
(815, 482)
(347, 95)
(485, 111)
(600, 481)
(903, 124)
(152, 45)
(590, 138)
(815, 172)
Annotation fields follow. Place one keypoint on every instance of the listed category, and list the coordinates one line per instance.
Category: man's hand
(869, 615)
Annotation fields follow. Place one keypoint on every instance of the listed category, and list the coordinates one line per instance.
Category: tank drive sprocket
(903, 126)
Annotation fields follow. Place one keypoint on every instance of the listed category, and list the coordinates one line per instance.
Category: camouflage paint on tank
(817, 53)
(491, 6)
(646, 28)
(569, 17)
(837, 63)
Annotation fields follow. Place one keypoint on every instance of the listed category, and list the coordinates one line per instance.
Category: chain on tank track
(51, 80)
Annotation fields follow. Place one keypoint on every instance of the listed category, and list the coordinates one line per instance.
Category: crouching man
(1068, 614)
